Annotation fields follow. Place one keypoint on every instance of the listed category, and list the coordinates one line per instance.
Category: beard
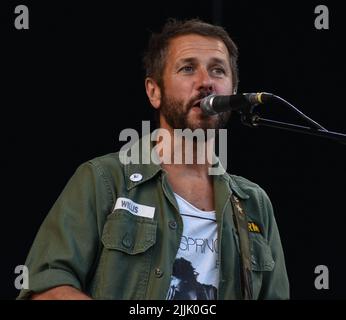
(176, 114)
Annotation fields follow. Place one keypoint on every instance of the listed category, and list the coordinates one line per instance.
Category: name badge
(136, 209)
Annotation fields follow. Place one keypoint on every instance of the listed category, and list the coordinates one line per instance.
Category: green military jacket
(101, 246)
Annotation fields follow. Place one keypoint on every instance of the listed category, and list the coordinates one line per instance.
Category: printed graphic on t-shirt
(195, 271)
(185, 286)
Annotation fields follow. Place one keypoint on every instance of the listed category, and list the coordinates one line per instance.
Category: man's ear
(153, 92)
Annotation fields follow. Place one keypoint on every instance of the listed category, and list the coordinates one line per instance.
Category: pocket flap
(128, 233)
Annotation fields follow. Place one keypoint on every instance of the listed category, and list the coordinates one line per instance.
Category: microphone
(214, 104)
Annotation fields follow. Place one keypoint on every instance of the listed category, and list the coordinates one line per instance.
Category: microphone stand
(249, 118)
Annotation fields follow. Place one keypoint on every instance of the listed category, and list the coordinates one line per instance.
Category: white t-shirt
(195, 271)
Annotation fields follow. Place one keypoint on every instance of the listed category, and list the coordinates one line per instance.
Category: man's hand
(61, 293)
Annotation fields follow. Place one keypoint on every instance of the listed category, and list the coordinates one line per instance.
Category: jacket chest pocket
(128, 233)
(125, 262)
(261, 255)
(262, 261)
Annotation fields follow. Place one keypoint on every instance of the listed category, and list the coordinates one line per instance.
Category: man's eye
(187, 69)
(218, 71)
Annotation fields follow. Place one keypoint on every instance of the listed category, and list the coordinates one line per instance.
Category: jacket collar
(147, 166)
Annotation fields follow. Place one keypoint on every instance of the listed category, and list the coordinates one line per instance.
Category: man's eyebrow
(214, 60)
(219, 61)
(186, 60)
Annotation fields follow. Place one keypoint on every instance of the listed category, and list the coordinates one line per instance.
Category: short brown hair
(155, 58)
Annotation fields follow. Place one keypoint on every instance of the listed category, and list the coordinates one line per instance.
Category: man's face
(196, 67)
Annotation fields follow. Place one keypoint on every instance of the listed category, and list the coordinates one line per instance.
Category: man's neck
(179, 153)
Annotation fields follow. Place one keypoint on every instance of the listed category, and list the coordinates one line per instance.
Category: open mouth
(197, 103)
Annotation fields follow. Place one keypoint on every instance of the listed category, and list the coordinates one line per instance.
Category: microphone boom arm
(254, 120)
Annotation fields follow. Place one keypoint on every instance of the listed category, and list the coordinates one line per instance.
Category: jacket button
(172, 224)
(158, 273)
(127, 242)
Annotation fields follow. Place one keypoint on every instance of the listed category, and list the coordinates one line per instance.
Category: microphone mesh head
(207, 105)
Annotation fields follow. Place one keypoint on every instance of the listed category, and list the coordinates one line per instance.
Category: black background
(74, 80)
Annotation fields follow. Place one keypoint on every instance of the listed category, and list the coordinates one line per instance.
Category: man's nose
(205, 81)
